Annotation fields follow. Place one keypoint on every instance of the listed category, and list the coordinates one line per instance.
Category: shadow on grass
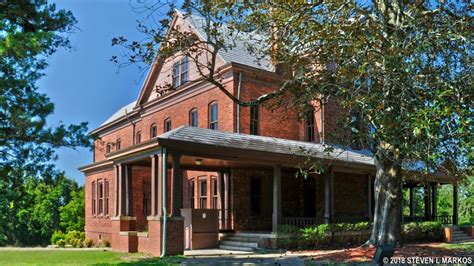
(148, 260)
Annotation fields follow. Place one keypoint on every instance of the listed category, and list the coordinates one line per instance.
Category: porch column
(455, 204)
(117, 169)
(369, 197)
(227, 206)
(128, 191)
(411, 204)
(223, 222)
(177, 183)
(155, 185)
(328, 195)
(434, 199)
(276, 197)
(427, 196)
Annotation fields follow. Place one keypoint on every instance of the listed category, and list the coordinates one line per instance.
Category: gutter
(165, 178)
(238, 98)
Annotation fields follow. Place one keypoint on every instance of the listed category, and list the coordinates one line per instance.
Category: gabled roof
(240, 44)
(210, 137)
(238, 53)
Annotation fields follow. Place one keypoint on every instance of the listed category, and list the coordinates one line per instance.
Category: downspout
(165, 178)
(238, 105)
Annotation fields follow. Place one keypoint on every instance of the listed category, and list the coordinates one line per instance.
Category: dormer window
(180, 72)
(153, 131)
(118, 144)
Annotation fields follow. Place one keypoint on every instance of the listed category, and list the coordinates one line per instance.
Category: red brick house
(194, 148)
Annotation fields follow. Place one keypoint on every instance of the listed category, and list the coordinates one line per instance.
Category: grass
(461, 247)
(78, 257)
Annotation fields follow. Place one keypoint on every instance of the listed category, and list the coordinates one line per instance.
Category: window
(118, 144)
(309, 127)
(146, 199)
(167, 125)
(100, 192)
(255, 196)
(214, 193)
(180, 72)
(139, 137)
(213, 118)
(203, 194)
(107, 148)
(254, 117)
(153, 131)
(184, 70)
(107, 197)
(93, 198)
(175, 82)
(193, 118)
(191, 192)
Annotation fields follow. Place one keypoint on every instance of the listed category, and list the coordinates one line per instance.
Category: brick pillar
(434, 199)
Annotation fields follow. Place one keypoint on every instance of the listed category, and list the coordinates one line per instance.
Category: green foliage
(422, 232)
(88, 243)
(57, 235)
(285, 229)
(31, 189)
(61, 243)
(73, 237)
(104, 243)
(72, 214)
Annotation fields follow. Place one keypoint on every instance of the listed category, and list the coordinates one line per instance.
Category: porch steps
(461, 237)
(240, 242)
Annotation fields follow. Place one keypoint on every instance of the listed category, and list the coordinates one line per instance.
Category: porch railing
(226, 219)
(444, 219)
(301, 222)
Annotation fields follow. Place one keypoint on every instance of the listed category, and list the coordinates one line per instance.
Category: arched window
(213, 116)
(167, 125)
(107, 148)
(193, 117)
(138, 138)
(118, 144)
(153, 131)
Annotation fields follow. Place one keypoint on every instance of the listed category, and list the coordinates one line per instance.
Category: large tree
(403, 69)
(30, 31)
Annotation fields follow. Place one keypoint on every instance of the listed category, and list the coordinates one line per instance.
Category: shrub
(82, 236)
(77, 243)
(285, 229)
(422, 232)
(106, 243)
(88, 242)
(71, 236)
(61, 243)
(57, 235)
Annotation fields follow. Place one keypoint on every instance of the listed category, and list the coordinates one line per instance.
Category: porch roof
(243, 142)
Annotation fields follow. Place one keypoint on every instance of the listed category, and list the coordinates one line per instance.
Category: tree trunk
(386, 228)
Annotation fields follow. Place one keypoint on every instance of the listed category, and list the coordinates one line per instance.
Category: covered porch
(255, 186)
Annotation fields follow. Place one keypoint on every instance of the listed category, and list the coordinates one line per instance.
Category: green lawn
(462, 247)
(78, 257)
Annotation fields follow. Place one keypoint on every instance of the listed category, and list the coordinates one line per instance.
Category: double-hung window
(203, 194)
(180, 73)
(213, 116)
(309, 127)
(254, 117)
(193, 118)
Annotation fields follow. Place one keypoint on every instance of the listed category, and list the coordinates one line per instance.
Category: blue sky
(82, 83)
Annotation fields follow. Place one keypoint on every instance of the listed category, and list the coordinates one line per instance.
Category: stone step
(237, 248)
(241, 238)
(463, 241)
(462, 238)
(239, 244)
